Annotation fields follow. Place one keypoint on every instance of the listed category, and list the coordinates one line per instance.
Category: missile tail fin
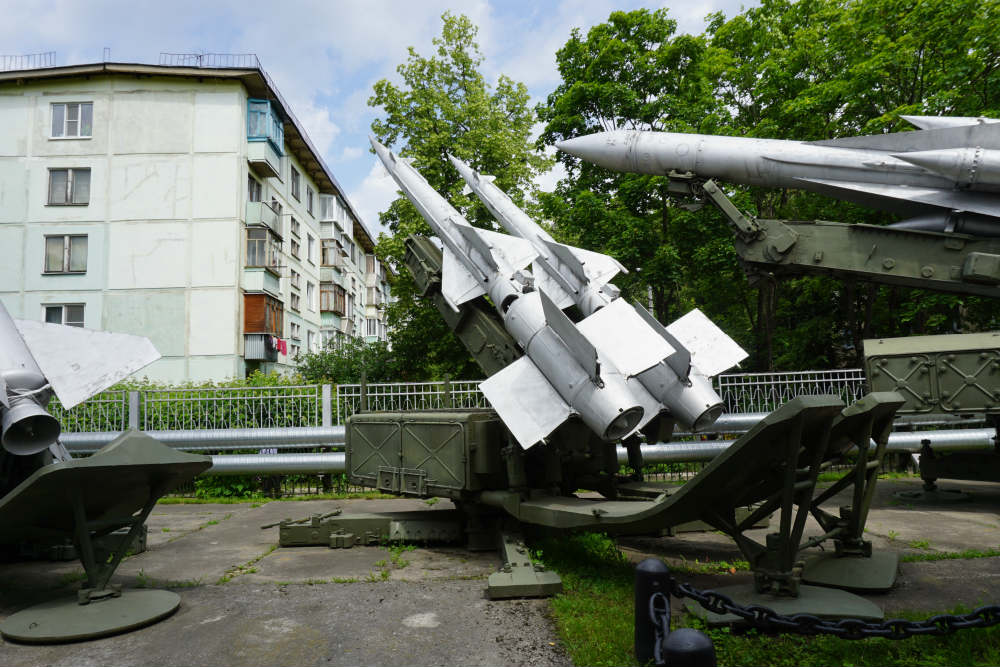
(550, 285)
(514, 251)
(986, 135)
(457, 284)
(466, 190)
(712, 351)
(680, 359)
(475, 240)
(935, 122)
(526, 402)
(79, 363)
(582, 349)
(585, 265)
(617, 322)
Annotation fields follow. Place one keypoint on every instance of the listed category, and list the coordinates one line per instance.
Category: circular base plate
(65, 620)
(935, 496)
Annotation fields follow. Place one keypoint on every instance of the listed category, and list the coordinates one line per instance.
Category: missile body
(665, 370)
(24, 393)
(944, 176)
(561, 372)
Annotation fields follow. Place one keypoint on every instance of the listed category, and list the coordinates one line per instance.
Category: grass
(920, 544)
(951, 555)
(246, 568)
(595, 621)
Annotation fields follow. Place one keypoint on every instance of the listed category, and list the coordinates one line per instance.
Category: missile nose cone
(463, 169)
(611, 150)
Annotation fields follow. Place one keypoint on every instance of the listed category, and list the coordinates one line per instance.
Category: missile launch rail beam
(939, 261)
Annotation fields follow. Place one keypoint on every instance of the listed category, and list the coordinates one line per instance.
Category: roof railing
(28, 61)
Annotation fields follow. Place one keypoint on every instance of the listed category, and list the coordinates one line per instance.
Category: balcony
(260, 279)
(261, 213)
(258, 347)
(263, 158)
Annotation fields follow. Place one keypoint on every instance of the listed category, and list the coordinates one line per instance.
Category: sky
(325, 56)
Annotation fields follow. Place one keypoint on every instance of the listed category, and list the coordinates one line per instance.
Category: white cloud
(351, 153)
(373, 196)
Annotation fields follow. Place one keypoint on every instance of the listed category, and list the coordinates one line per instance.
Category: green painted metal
(875, 573)
(519, 577)
(814, 600)
(954, 373)
(67, 620)
(365, 529)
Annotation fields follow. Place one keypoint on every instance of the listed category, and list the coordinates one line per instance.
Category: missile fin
(515, 251)
(582, 349)
(526, 402)
(457, 284)
(985, 135)
(4, 399)
(712, 351)
(79, 363)
(545, 281)
(680, 360)
(906, 199)
(617, 322)
(936, 122)
(586, 265)
(466, 190)
(473, 238)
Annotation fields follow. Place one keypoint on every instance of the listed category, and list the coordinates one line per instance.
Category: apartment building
(183, 203)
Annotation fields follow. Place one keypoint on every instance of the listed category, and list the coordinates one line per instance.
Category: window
(309, 200)
(310, 296)
(295, 302)
(374, 296)
(276, 207)
(295, 184)
(66, 253)
(70, 314)
(264, 124)
(333, 298)
(295, 331)
(326, 297)
(72, 120)
(253, 189)
(330, 253)
(349, 311)
(295, 275)
(295, 248)
(310, 248)
(372, 325)
(262, 248)
(294, 349)
(327, 206)
(68, 187)
(310, 341)
(295, 226)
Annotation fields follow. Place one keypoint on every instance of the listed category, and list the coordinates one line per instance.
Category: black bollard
(651, 576)
(687, 647)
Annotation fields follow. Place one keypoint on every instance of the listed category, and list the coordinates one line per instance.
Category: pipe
(675, 452)
(276, 464)
(218, 439)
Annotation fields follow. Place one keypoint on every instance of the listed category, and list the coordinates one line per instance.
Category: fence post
(651, 576)
(133, 409)
(327, 414)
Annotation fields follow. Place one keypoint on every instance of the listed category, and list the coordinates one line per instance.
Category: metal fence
(28, 61)
(764, 392)
(398, 396)
(107, 411)
(231, 407)
(237, 60)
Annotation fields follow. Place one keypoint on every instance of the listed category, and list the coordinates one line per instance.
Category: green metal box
(957, 373)
(426, 454)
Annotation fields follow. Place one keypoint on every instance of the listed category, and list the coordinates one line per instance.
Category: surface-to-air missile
(695, 348)
(562, 372)
(38, 359)
(945, 176)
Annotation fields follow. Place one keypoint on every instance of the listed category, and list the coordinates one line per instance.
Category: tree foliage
(444, 106)
(344, 362)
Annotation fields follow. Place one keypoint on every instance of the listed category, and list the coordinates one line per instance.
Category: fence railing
(236, 60)
(28, 61)
(306, 405)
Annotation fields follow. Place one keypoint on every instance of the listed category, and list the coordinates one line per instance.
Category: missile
(659, 357)
(561, 372)
(945, 176)
(39, 359)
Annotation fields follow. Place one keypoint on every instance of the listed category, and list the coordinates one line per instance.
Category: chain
(769, 620)
(659, 614)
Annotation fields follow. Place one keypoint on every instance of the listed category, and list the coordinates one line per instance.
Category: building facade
(185, 204)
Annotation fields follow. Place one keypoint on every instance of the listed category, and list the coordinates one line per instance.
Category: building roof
(258, 85)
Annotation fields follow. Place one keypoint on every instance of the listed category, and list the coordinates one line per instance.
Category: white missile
(39, 359)
(659, 357)
(562, 373)
(944, 177)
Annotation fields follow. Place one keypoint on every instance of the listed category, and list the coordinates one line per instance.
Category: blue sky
(325, 56)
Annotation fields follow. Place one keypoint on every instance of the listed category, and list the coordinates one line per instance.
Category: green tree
(343, 362)
(445, 106)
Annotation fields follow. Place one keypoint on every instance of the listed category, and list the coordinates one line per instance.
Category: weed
(165, 530)
(892, 535)
(396, 554)
(212, 522)
(920, 544)
(432, 501)
(381, 563)
(72, 577)
(951, 555)
(246, 568)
